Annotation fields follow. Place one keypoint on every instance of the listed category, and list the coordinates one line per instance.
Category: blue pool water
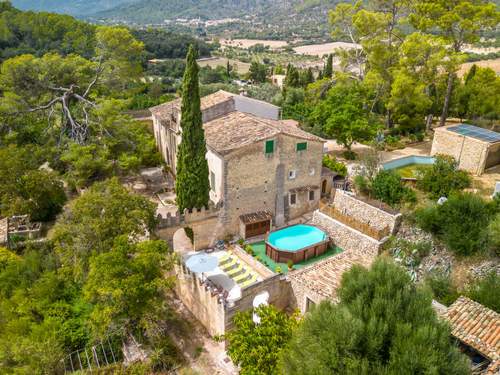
(408, 160)
(296, 237)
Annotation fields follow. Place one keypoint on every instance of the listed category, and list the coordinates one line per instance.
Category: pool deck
(259, 249)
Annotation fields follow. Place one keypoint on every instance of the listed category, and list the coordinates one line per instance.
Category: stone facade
(346, 237)
(364, 212)
(473, 155)
(256, 181)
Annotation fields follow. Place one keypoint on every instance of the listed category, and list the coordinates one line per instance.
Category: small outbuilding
(476, 149)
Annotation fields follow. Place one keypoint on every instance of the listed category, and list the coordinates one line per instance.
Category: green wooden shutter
(269, 147)
(301, 146)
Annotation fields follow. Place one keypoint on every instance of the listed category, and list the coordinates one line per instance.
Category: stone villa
(263, 171)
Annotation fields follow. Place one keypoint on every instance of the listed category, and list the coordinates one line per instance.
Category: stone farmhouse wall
(300, 294)
(255, 181)
(345, 237)
(202, 303)
(366, 213)
(470, 153)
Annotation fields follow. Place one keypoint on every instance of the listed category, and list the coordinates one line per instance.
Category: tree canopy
(192, 185)
(383, 324)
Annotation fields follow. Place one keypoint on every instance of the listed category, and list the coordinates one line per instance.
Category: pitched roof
(476, 326)
(164, 110)
(237, 129)
(324, 277)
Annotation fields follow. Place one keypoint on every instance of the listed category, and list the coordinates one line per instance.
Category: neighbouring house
(18, 228)
(278, 80)
(475, 149)
(262, 171)
(477, 328)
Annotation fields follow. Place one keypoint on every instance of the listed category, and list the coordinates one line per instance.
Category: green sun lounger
(241, 278)
(248, 282)
(228, 265)
(235, 271)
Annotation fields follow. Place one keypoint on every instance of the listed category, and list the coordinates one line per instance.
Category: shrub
(388, 187)
(278, 269)
(461, 222)
(334, 165)
(494, 233)
(442, 287)
(189, 233)
(443, 177)
(289, 264)
(486, 291)
(248, 249)
(362, 184)
(349, 155)
(241, 242)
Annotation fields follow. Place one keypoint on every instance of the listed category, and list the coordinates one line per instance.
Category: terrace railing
(354, 223)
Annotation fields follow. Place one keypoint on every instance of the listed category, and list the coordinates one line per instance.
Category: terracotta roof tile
(237, 129)
(164, 110)
(324, 277)
(476, 326)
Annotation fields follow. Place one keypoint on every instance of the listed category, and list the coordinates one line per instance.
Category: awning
(256, 217)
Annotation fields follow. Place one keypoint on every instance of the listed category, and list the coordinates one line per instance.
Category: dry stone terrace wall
(345, 237)
(366, 213)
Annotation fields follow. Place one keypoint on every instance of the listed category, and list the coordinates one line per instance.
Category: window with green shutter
(270, 146)
(301, 146)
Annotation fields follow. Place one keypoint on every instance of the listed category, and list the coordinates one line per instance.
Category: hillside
(270, 19)
(73, 7)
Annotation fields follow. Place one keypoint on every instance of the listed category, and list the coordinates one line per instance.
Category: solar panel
(476, 132)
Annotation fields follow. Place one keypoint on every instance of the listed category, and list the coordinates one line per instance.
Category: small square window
(292, 174)
(270, 146)
(301, 146)
(293, 199)
(311, 195)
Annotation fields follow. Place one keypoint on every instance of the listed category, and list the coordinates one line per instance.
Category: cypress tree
(329, 67)
(192, 186)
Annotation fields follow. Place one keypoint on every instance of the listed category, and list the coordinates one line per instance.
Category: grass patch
(259, 251)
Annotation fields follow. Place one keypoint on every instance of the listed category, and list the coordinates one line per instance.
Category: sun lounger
(227, 266)
(241, 278)
(224, 259)
(239, 268)
(248, 282)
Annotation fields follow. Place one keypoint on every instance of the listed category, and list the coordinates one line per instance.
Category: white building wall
(215, 167)
(256, 107)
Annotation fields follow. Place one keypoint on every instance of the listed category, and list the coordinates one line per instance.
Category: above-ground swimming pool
(296, 243)
(406, 167)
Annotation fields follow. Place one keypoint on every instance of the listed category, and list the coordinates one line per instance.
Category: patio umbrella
(200, 263)
(222, 281)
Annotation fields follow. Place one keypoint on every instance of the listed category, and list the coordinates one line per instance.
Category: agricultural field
(323, 49)
(493, 64)
(247, 43)
(241, 67)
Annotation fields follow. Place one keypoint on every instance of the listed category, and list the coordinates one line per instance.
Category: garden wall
(346, 237)
(364, 212)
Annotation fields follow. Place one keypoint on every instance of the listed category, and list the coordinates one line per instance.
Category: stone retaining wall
(375, 217)
(346, 237)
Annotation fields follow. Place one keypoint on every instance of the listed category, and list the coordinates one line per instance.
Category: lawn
(259, 250)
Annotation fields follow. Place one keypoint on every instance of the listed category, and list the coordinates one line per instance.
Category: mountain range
(73, 7)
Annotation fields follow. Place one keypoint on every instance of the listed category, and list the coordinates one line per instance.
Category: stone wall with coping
(366, 213)
(346, 237)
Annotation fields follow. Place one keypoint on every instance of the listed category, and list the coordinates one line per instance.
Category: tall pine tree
(192, 186)
(329, 67)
